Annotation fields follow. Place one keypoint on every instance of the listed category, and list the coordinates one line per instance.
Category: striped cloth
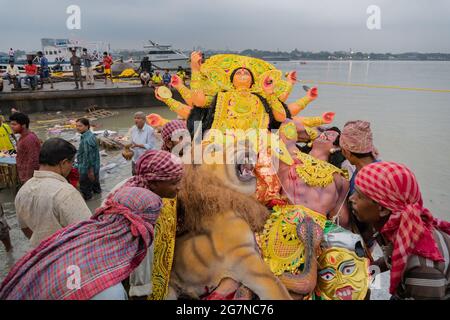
(427, 279)
(169, 130)
(156, 165)
(103, 251)
(410, 225)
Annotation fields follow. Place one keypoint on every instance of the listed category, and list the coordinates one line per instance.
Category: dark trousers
(87, 186)
(32, 80)
(78, 78)
(15, 80)
(145, 82)
(133, 168)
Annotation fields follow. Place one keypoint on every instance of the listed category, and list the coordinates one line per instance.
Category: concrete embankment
(78, 100)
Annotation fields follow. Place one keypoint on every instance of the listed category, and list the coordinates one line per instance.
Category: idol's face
(326, 139)
(242, 79)
(342, 275)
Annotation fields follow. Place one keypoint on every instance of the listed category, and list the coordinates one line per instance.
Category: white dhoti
(141, 277)
(90, 75)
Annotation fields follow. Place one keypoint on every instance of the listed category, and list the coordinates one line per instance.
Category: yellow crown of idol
(216, 73)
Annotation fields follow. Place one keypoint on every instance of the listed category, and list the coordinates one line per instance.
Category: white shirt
(142, 136)
(14, 71)
(47, 203)
(145, 76)
(116, 292)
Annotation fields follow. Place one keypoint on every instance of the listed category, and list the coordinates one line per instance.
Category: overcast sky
(406, 25)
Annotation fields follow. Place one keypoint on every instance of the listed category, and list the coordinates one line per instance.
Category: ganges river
(410, 126)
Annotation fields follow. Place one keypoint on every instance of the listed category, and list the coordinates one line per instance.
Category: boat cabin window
(161, 52)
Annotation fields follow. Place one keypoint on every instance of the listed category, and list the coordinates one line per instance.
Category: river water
(410, 127)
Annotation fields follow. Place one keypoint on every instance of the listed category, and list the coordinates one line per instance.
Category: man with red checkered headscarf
(172, 133)
(157, 169)
(416, 245)
(161, 172)
(89, 259)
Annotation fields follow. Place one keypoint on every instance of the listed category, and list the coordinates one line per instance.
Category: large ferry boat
(165, 57)
(58, 53)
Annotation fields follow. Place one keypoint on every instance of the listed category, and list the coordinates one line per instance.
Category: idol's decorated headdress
(216, 71)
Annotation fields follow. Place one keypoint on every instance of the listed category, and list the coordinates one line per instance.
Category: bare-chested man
(311, 181)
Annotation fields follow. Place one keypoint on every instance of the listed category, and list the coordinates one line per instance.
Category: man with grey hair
(142, 138)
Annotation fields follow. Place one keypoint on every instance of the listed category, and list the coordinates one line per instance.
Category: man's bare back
(325, 200)
(328, 200)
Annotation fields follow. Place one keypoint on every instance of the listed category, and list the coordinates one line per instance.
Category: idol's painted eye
(327, 274)
(347, 268)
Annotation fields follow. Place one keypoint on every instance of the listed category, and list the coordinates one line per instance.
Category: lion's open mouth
(245, 172)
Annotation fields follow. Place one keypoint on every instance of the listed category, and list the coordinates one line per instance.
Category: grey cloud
(416, 25)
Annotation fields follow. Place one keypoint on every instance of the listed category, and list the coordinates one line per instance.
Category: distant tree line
(297, 55)
(309, 55)
(343, 55)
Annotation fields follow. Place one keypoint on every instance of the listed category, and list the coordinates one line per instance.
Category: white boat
(59, 51)
(165, 57)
